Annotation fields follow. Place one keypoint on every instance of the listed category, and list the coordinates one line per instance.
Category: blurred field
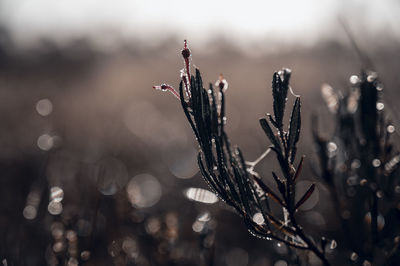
(107, 125)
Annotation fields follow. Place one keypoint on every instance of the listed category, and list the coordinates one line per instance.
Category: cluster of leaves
(359, 164)
(224, 167)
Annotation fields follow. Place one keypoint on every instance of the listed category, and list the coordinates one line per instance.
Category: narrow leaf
(299, 168)
(294, 128)
(306, 196)
(270, 134)
(268, 192)
(279, 183)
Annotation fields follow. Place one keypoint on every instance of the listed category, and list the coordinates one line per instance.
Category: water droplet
(376, 163)
(332, 147)
(363, 182)
(397, 189)
(85, 255)
(380, 220)
(330, 97)
(379, 194)
(144, 191)
(130, 247)
(379, 87)
(57, 230)
(198, 226)
(45, 142)
(153, 225)
(280, 263)
(333, 244)
(44, 107)
(354, 256)
(258, 218)
(354, 80)
(58, 246)
(390, 129)
(201, 195)
(29, 212)
(366, 263)
(380, 106)
(56, 194)
(72, 262)
(114, 249)
(55, 208)
(183, 163)
(352, 180)
(204, 217)
(71, 236)
(355, 164)
(372, 77)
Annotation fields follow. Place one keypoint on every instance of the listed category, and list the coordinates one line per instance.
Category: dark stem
(310, 244)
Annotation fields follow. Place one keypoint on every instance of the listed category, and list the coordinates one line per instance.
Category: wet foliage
(358, 165)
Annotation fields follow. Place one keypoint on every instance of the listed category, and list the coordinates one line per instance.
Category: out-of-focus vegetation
(97, 169)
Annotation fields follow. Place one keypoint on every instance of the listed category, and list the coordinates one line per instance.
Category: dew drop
(332, 147)
(72, 262)
(355, 164)
(280, 263)
(366, 263)
(152, 225)
(29, 212)
(55, 208)
(144, 190)
(56, 194)
(363, 182)
(44, 107)
(379, 87)
(204, 217)
(258, 218)
(352, 180)
(380, 106)
(130, 247)
(354, 256)
(372, 77)
(85, 255)
(58, 246)
(376, 163)
(380, 220)
(379, 194)
(354, 80)
(201, 195)
(198, 226)
(333, 244)
(45, 142)
(390, 129)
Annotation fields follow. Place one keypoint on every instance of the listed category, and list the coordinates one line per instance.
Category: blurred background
(98, 168)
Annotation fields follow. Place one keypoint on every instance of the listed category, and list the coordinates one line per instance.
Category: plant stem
(308, 241)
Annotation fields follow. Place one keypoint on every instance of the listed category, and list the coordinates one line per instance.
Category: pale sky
(105, 21)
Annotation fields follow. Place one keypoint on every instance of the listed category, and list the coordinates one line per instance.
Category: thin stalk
(309, 242)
